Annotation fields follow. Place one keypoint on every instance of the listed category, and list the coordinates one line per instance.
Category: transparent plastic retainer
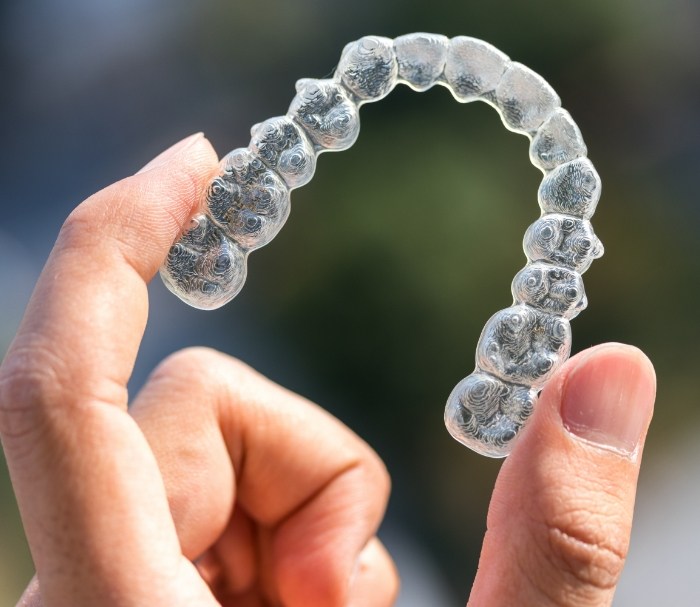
(520, 347)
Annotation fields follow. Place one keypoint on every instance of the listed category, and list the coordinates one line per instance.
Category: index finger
(86, 317)
(71, 447)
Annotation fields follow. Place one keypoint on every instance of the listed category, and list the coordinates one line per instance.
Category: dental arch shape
(521, 346)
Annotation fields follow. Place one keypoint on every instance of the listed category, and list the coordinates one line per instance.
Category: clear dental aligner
(521, 346)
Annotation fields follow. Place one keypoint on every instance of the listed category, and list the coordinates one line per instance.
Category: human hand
(560, 517)
(274, 500)
(120, 525)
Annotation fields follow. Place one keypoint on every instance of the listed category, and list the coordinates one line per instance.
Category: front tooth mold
(557, 141)
(421, 59)
(524, 99)
(368, 68)
(326, 113)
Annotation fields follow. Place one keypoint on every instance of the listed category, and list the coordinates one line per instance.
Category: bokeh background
(371, 299)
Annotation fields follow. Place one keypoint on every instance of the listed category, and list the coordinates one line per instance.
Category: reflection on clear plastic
(521, 346)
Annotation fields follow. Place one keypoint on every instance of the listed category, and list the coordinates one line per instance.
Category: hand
(560, 516)
(276, 502)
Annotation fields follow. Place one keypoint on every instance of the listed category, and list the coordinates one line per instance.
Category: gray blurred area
(371, 299)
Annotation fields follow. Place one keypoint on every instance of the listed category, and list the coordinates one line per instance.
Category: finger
(89, 491)
(314, 490)
(229, 566)
(375, 582)
(561, 513)
(84, 322)
(31, 597)
(236, 552)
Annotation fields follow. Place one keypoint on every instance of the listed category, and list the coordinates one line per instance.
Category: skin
(218, 487)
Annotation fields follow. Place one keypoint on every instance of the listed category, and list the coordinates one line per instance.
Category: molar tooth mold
(248, 201)
(521, 346)
(421, 59)
(283, 146)
(327, 114)
(204, 268)
(563, 240)
(550, 289)
(487, 413)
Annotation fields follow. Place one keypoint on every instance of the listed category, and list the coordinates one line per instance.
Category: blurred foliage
(401, 248)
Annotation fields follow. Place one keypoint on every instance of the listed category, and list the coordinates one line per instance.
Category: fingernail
(167, 156)
(609, 397)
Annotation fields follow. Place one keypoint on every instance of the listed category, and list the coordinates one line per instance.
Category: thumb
(560, 517)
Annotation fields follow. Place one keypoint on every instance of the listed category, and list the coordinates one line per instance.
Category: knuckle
(80, 225)
(29, 382)
(17, 398)
(107, 221)
(367, 471)
(188, 360)
(38, 389)
(197, 364)
(380, 474)
(200, 370)
(589, 551)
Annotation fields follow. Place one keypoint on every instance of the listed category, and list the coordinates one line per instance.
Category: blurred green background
(371, 299)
